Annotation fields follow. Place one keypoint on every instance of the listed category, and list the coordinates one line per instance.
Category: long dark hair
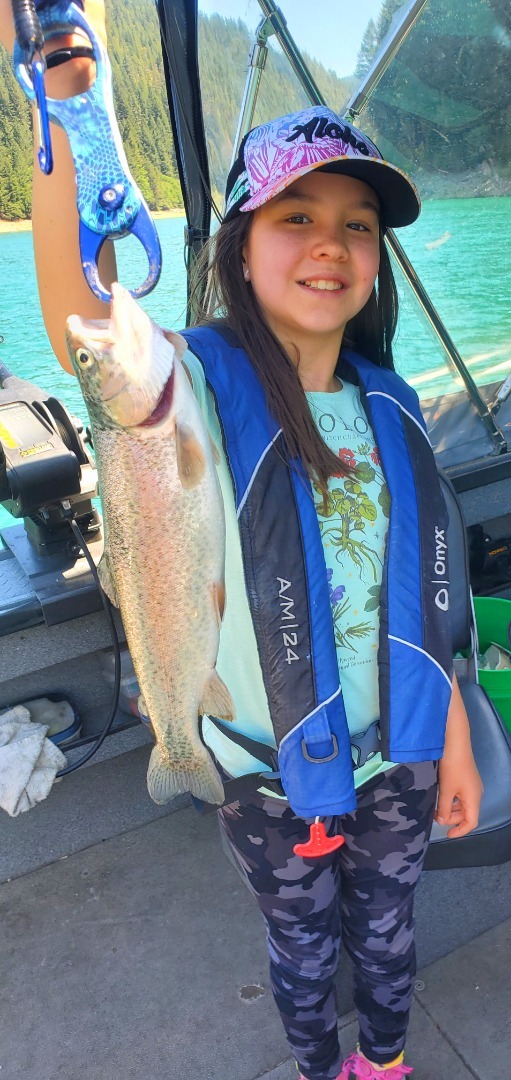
(219, 290)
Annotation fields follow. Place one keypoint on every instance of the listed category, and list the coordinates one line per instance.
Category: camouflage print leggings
(364, 892)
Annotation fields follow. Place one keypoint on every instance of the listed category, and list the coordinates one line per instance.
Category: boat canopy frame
(179, 30)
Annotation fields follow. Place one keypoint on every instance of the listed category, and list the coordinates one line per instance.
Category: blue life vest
(287, 588)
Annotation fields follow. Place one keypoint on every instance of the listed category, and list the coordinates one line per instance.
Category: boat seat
(490, 844)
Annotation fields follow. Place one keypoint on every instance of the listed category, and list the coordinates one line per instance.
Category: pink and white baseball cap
(276, 154)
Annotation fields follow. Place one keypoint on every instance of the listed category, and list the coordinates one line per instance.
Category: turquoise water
(25, 349)
(461, 249)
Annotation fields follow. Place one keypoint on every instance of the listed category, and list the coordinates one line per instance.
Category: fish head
(124, 364)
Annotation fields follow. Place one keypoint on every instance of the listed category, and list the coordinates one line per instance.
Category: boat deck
(131, 949)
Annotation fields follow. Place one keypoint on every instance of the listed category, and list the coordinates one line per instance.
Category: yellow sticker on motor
(30, 450)
(7, 438)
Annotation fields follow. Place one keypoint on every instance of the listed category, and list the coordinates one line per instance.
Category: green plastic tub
(493, 618)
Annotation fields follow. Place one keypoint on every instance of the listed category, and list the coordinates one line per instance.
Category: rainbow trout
(163, 564)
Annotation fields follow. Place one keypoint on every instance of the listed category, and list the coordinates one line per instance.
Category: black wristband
(61, 56)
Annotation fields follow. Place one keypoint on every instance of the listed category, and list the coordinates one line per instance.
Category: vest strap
(364, 746)
(259, 750)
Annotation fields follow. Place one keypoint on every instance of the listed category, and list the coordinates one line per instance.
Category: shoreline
(25, 224)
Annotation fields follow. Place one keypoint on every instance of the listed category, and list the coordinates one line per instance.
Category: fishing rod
(110, 204)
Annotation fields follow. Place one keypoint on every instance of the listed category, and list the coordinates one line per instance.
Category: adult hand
(460, 787)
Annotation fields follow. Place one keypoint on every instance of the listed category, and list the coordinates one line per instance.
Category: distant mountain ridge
(142, 109)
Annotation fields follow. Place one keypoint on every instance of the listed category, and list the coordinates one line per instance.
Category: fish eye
(84, 357)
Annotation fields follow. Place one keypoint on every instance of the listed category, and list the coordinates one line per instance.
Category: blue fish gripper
(109, 201)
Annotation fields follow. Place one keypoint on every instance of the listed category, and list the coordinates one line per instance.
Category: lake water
(461, 249)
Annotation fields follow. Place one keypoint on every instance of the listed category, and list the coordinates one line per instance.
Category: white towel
(29, 762)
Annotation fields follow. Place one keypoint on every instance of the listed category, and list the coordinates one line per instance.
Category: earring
(246, 274)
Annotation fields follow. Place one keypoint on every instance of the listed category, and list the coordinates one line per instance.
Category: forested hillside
(441, 110)
(141, 103)
(15, 145)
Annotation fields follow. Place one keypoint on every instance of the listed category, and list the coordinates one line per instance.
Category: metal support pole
(274, 15)
(256, 64)
(384, 57)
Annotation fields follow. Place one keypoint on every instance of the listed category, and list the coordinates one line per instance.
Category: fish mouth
(116, 395)
(163, 403)
(95, 330)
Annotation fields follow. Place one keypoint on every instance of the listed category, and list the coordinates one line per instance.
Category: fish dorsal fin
(216, 699)
(191, 462)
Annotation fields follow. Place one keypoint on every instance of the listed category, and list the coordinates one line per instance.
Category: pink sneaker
(356, 1066)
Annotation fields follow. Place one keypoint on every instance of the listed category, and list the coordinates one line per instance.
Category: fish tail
(164, 782)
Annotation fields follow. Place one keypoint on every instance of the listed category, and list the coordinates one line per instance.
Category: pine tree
(367, 49)
(388, 10)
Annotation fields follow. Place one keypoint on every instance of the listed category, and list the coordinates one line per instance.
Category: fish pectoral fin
(218, 590)
(179, 344)
(216, 699)
(191, 462)
(105, 579)
(201, 779)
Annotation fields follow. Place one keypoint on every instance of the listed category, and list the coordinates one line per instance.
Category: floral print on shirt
(350, 520)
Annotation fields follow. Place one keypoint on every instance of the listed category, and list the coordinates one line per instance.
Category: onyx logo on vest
(442, 596)
(288, 620)
(321, 126)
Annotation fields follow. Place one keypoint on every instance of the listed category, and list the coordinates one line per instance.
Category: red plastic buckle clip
(318, 843)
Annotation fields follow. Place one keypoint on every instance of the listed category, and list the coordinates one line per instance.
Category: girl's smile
(312, 257)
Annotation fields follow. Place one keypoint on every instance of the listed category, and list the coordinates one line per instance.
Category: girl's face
(312, 254)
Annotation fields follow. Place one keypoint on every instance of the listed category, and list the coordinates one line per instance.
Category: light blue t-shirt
(353, 528)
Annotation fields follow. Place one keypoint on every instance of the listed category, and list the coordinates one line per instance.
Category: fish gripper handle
(109, 201)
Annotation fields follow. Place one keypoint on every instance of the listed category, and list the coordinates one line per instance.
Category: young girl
(333, 643)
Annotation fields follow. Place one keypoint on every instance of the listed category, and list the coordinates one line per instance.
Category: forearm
(6, 25)
(460, 787)
(63, 290)
(457, 732)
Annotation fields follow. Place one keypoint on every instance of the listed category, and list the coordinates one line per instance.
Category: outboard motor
(48, 478)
